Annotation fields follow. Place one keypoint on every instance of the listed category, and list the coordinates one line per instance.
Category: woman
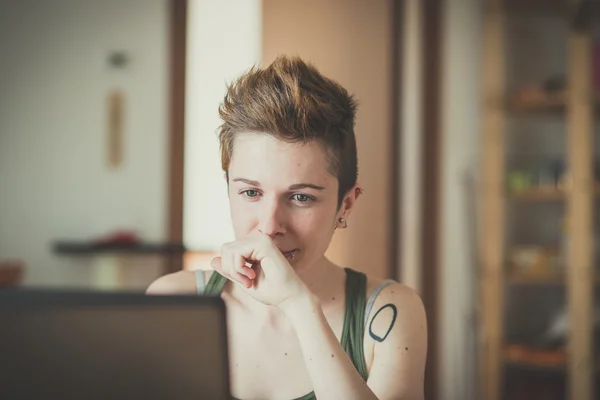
(301, 327)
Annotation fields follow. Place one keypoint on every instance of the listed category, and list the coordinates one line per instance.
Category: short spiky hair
(292, 101)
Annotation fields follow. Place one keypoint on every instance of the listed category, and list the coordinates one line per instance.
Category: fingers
(238, 258)
(234, 268)
(239, 265)
(243, 280)
(248, 272)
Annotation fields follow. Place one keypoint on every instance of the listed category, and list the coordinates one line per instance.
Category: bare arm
(181, 282)
(398, 328)
(331, 371)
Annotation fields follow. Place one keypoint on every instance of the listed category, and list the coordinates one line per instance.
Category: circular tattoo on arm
(387, 317)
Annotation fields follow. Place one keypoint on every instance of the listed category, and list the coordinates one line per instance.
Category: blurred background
(475, 131)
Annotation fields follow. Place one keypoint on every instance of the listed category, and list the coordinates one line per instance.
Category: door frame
(176, 135)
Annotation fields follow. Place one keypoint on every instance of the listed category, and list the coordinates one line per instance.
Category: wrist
(298, 306)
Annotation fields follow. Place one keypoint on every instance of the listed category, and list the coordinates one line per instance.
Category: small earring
(343, 221)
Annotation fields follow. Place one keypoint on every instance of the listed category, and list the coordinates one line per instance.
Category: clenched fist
(261, 268)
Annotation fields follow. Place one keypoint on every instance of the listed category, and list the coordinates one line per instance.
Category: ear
(349, 201)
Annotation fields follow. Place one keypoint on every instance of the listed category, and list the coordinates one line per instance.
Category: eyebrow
(247, 181)
(298, 186)
(295, 186)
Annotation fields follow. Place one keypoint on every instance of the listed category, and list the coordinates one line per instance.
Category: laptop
(103, 345)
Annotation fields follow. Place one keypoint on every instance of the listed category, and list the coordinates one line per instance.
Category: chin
(300, 264)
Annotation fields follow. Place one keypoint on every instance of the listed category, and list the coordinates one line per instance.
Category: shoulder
(397, 315)
(395, 293)
(401, 295)
(181, 282)
(397, 304)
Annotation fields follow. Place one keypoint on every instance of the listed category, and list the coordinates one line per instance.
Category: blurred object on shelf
(534, 260)
(547, 175)
(122, 236)
(559, 173)
(554, 84)
(536, 97)
(557, 331)
(11, 273)
(549, 92)
(519, 181)
(517, 353)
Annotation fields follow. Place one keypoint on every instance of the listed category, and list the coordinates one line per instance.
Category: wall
(224, 40)
(350, 41)
(54, 179)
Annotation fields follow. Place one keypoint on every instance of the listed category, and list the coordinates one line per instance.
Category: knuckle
(227, 248)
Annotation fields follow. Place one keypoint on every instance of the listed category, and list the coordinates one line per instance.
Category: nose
(272, 220)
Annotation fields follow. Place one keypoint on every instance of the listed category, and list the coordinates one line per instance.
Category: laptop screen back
(117, 346)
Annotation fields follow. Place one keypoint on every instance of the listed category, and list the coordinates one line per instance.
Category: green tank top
(353, 329)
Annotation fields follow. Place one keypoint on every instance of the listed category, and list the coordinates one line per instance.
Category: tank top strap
(215, 285)
(353, 331)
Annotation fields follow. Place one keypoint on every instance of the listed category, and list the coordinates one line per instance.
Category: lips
(290, 254)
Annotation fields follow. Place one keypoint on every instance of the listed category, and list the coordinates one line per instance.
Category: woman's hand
(261, 269)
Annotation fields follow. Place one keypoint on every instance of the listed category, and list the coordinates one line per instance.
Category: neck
(320, 278)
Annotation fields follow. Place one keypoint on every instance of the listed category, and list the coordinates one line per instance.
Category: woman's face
(284, 190)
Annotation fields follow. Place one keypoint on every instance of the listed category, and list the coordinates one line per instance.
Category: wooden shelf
(536, 279)
(557, 8)
(541, 279)
(551, 102)
(530, 367)
(525, 357)
(535, 195)
(579, 115)
(87, 248)
(544, 195)
(519, 358)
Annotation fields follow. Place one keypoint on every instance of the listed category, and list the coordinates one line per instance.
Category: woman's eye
(250, 193)
(302, 198)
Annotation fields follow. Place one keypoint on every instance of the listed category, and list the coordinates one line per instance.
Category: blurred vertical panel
(351, 42)
(215, 57)
(460, 125)
(580, 212)
(178, 31)
(410, 146)
(431, 25)
(395, 152)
